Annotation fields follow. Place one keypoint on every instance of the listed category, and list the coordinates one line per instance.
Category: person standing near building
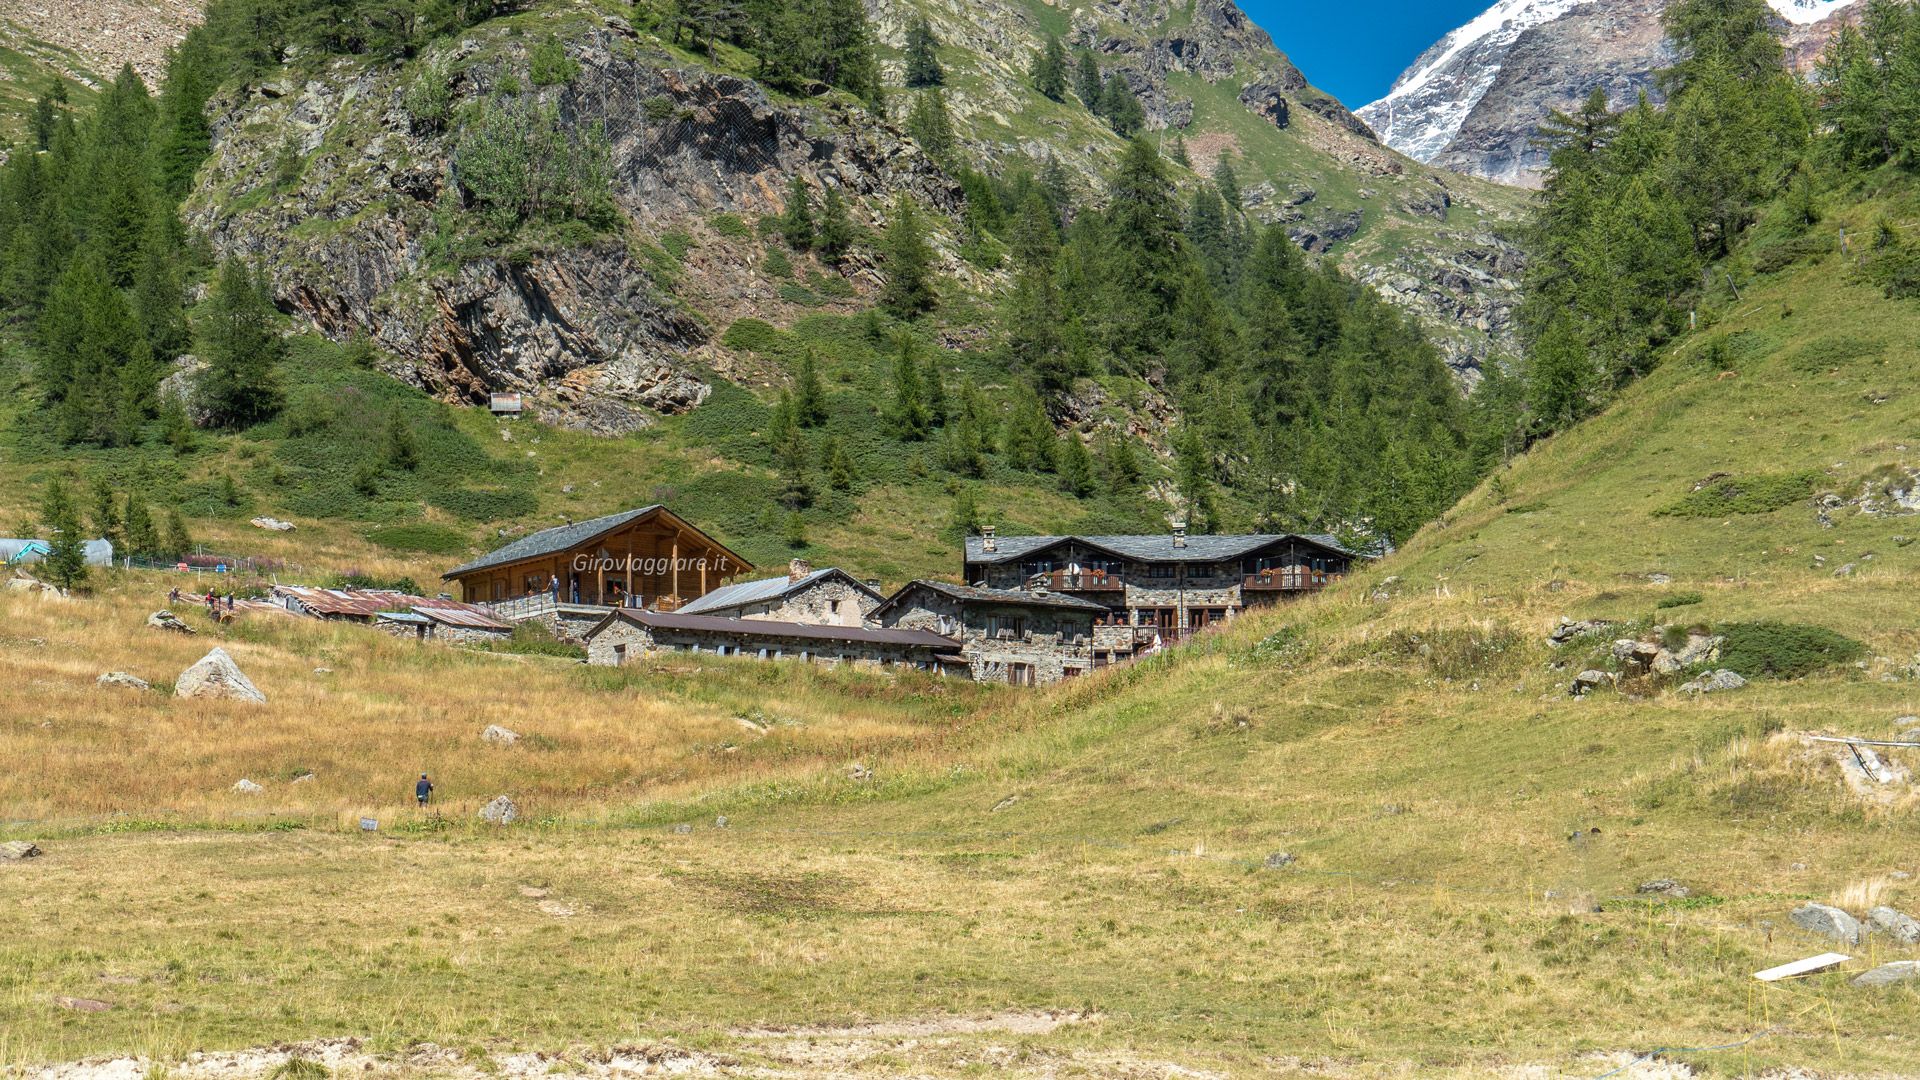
(423, 790)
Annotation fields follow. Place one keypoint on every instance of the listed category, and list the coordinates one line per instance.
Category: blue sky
(1354, 49)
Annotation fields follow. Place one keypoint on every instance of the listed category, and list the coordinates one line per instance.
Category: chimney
(1180, 534)
(798, 569)
(988, 542)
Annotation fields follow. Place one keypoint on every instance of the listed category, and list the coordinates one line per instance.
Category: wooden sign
(1802, 967)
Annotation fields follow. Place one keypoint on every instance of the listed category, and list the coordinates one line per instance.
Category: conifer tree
(174, 538)
(796, 221)
(1194, 479)
(1227, 184)
(908, 261)
(809, 399)
(907, 416)
(241, 385)
(931, 126)
(65, 564)
(793, 458)
(1050, 70)
(159, 297)
(836, 464)
(1119, 464)
(1087, 81)
(934, 389)
(47, 109)
(106, 514)
(1120, 108)
(143, 539)
(1076, 467)
(1029, 443)
(923, 56)
(964, 520)
(1178, 154)
(836, 234)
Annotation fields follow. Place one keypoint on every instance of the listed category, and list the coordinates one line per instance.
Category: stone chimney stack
(988, 542)
(798, 569)
(1180, 534)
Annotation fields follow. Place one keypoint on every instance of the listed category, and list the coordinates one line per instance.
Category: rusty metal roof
(366, 603)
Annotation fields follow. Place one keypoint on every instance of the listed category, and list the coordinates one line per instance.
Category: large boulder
(1828, 922)
(1569, 629)
(500, 811)
(18, 851)
(168, 621)
(499, 735)
(1589, 681)
(1897, 925)
(124, 680)
(1889, 974)
(217, 676)
(247, 787)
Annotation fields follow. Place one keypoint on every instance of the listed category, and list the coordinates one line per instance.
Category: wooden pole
(676, 567)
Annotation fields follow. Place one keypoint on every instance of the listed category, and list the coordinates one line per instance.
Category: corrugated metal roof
(768, 628)
(764, 590)
(366, 603)
(1014, 597)
(462, 617)
(402, 617)
(1151, 548)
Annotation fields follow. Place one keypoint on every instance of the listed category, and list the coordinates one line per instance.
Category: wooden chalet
(650, 557)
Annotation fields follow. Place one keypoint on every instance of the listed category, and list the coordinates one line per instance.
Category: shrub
(549, 64)
(536, 639)
(1780, 650)
(422, 537)
(1777, 256)
(677, 244)
(1457, 652)
(1759, 494)
(354, 579)
(751, 335)
(730, 225)
(777, 264)
(800, 294)
(520, 162)
(1680, 599)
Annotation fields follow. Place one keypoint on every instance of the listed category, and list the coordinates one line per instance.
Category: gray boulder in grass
(500, 811)
(1828, 922)
(217, 676)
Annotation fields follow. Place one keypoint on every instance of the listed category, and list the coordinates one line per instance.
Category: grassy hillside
(1464, 840)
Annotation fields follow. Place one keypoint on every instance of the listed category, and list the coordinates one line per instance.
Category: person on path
(553, 586)
(173, 597)
(423, 790)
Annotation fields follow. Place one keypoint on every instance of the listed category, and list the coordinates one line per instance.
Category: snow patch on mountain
(1429, 102)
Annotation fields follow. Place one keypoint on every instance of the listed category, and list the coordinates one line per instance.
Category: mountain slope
(1386, 797)
(1473, 100)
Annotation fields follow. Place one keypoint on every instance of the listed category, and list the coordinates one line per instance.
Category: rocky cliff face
(1474, 100)
(353, 205)
(596, 333)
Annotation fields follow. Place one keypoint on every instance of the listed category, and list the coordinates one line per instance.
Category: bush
(1723, 495)
(1780, 650)
(1774, 257)
(422, 537)
(1455, 653)
(751, 335)
(730, 225)
(535, 639)
(1680, 599)
(520, 162)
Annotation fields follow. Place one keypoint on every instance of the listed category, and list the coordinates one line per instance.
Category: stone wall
(605, 649)
(829, 602)
(1054, 645)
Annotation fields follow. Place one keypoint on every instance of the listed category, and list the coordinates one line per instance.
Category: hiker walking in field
(173, 597)
(423, 790)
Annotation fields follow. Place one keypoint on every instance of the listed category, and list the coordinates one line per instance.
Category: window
(1009, 625)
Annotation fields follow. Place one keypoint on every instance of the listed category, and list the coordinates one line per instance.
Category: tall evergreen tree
(241, 385)
(1076, 467)
(1050, 70)
(1087, 81)
(1120, 108)
(931, 126)
(796, 221)
(836, 233)
(809, 399)
(1227, 184)
(908, 261)
(65, 564)
(923, 56)
(907, 416)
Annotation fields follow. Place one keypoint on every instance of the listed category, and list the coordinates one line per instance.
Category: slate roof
(1151, 548)
(763, 591)
(567, 537)
(1015, 597)
(675, 620)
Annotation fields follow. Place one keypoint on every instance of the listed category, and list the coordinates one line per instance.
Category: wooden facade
(649, 558)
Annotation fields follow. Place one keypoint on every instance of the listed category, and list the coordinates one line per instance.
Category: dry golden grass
(593, 741)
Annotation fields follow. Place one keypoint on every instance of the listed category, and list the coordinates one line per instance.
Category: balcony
(1288, 579)
(1084, 581)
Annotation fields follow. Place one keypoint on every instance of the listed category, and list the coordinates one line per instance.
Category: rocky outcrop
(1474, 100)
(588, 329)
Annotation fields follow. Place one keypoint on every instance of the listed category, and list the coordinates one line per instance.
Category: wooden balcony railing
(1084, 581)
(1289, 579)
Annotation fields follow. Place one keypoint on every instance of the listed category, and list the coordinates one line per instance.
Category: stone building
(397, 613)
(454, 627)
(1158, 589)
(828, 597)
(631, 633)
(1022, 637)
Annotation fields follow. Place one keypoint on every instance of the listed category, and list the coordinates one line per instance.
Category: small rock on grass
(168, 621)
(1665, 887)
(121, 678)
(1828, 921)
(1715, 682)
(1889, 974)
(499, 736)
(19, 850)
(247, 787)
(500, 811)
(86, 1005)
(1279, 860)
(1899, 926)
